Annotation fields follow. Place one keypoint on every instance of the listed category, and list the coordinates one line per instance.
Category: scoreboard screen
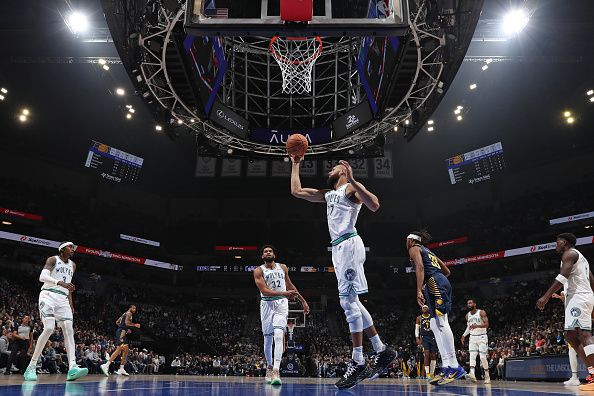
(113, 164)
(476, 166)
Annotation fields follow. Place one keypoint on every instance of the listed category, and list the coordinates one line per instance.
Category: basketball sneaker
(487, 380)
(76, 372)
(30, 373)
(354, 374)
(452, 375)
(105, 368)
(472, 377)
(438, 375)
(381, 361)
(589, 385)
(573, 381)
(275, 378)
(122, 371)
(268, 377)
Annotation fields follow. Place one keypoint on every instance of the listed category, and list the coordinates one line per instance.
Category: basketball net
(291, 327)
(296, 56)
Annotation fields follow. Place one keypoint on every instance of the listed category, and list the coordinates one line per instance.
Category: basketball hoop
(291, 327)
(296, 56)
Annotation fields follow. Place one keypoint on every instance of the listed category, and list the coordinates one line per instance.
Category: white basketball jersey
(342, 213)
(62, 272)
(476, 319)
(578, 281)
(275, 280)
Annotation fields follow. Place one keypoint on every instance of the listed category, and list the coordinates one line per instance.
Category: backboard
(330, 18)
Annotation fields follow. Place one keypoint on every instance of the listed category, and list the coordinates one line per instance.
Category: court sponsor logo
(352, 121)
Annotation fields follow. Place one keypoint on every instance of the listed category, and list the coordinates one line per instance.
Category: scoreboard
(476, 166)
(113, 164)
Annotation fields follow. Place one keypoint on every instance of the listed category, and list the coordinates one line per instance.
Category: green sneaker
(76, 372)
(275, 378)
(30, 374)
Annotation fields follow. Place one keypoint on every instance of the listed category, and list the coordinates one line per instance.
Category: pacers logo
(575, 312)
(350, 274)
(439, 301)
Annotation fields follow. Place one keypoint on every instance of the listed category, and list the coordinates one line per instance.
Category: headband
(415, 237)
(62, 246)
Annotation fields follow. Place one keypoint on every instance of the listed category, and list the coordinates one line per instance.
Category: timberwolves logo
(575, 312)
(350, 274)
(41, 305)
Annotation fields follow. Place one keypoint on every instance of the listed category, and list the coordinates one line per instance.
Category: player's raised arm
(362, 194)
(259, 279)
(309, 194)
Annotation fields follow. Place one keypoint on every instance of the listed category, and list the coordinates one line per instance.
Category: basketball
(297, 145)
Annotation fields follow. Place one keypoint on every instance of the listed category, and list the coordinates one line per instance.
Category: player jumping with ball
(343, 203)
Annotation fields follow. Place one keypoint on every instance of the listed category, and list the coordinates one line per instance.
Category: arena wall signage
(541, 368)
(569, 219)
(279, 137)
(353, 120)
(90, 251)
(139, 240)
(455, 241)
(513, 252)
(22, 215)
(228, 119)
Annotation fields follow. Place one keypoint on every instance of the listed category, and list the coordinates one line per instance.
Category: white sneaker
(573, 381)
(105, 368)
(472, 377)
(487, 380)
(268, 377)
(121, 371)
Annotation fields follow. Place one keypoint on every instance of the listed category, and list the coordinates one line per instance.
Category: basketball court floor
(163, 385)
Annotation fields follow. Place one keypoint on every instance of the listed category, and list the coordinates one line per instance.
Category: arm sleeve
(417, 327)
(46, 277)
(466, 332)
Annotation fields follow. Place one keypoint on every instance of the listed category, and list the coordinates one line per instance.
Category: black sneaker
(354, 374)
(381, 361)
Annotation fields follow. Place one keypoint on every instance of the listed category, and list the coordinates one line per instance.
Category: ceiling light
(430, 129)
(238, 257)
(485, 67)
(128, 106)
(286, 159)
(77, 22)
(1, 97)
(570, 120)
(588, 226)
(515, 21)
(459, 118)
(351, 152)
(457, 111)
(158, 128)
(5, 91)
(472, 86)
(26, 112)
(192, 120)
(6, 222)
(396, 128)
(430, 122)
(406, 122)
(128, 116)
(105, 67)
(567, 114)
(22, 118)
(120, 91)
(589, 93)
(179, 121)
(592, 99)
(459, 107)
(102, 61)
(132, 111)
(488, 61)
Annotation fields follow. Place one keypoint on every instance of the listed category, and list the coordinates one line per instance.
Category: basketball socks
(358, 355)
(438, 340)
(278, 348)
(448, 342)
(432, 367)
(427, 372)
(268, 349)
(68, 331)
(378, 345)
(49, 324)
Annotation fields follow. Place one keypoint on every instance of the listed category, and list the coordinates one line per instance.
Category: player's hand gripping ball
(296, 145)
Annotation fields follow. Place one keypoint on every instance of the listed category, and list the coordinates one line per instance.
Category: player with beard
(275, 288)
(344, 200)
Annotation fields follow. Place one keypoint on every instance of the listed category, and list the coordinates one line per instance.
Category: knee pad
(49, 324)
(367, 321)
(352, 313)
